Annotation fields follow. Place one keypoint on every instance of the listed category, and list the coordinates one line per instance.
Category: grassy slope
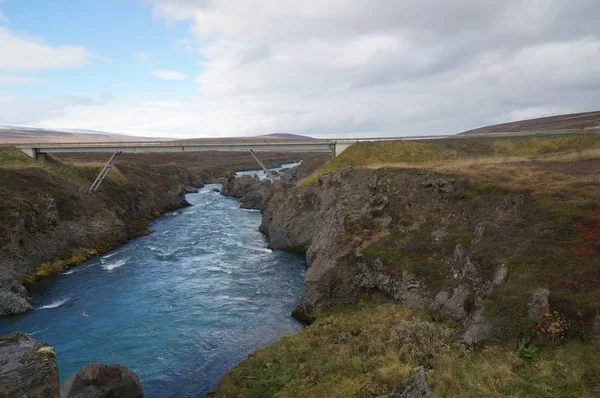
(560, 177)
(384, 342)
(459, 151)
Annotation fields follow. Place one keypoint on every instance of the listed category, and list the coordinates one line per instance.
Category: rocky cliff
(49, 223)
(27, 368)
(471, 253)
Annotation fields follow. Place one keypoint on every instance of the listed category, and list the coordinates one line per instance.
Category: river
(178, 307)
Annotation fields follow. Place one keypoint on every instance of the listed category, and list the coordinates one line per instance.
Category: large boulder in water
(27, 368)
(102, 381)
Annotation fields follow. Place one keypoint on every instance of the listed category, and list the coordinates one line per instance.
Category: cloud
(24, 110)
(144, 56)
(20, 53)
(16, 79)
(394, 66)
(3, 18)
(168, 74)
(351, 67)
(186, 44)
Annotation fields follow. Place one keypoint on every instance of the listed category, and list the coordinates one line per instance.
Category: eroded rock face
(252, 192)
(335, 219)
(59, 218)
(27, 368)
(102, 381)
(13, 297)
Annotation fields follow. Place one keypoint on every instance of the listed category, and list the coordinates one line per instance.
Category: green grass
(382, 343)
(79, 174)
(366, 154)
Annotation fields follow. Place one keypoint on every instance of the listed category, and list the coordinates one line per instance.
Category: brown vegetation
(561, 122)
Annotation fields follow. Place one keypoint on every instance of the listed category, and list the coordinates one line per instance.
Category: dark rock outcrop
(190, 189)
(27, 368)
(49, 222)
(338, 217)
(416, 386)
(252, 192)
(13, 297)
(102, 381)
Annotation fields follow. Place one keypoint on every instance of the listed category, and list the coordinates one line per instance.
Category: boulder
(342, 338)
(215, 190)
(416, 386)
(27, 368)
(252, 192)
(539, 306)
(13, 297)
(102, 381)
(189, 189)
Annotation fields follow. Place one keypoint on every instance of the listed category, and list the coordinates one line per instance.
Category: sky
(325, 68)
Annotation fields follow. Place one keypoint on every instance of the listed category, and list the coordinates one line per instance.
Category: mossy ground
(384, 342)
(462, 154)
(73, 257)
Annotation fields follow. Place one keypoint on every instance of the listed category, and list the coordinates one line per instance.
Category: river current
(178, 307)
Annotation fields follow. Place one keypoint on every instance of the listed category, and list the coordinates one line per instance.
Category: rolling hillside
(560, 122)
(19, 134)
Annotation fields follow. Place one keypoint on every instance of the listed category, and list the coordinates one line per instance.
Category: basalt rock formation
(420, 239)
(50, 223)
(27, 368)
(252, 192)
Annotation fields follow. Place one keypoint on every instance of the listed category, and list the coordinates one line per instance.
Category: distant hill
(288, 136)
(562, 122)
(20, 134)
(266, 137)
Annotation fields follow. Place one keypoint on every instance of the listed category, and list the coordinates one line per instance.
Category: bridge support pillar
(33, 153)
(266, 170)
(104, 172)
(340, 147)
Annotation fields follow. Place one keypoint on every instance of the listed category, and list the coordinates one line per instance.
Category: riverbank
(493, 241)
(50, 222)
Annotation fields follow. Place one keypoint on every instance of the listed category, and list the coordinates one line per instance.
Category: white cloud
(20, 53)
(3, 18)
(144, 56)
(392, 66)
(186, 44)
(168, 74)
(16, 79)
(350, 67)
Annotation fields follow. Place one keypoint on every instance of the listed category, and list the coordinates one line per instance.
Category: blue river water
(178, 307)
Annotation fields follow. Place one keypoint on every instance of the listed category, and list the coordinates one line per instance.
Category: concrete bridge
(241, 145)
(333, 146)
